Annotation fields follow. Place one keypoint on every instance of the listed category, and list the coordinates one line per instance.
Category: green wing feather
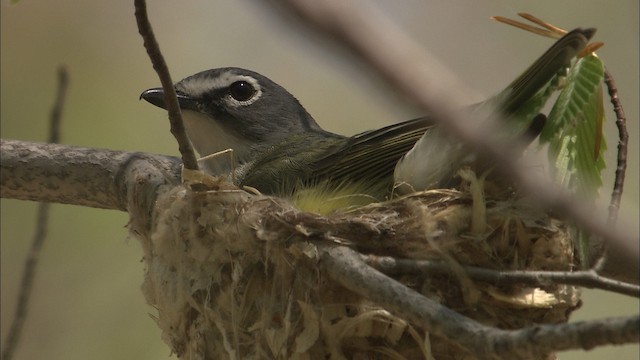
(372, 154)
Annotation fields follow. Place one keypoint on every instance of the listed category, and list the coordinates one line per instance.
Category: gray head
(235, 108)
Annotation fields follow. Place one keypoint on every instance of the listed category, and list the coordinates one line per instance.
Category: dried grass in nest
(236, 276)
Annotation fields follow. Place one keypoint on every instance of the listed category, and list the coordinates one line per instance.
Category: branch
(621, 168)
(31, 263)
(587, 278)
(408, 68)
(170, 99)
(97, 178)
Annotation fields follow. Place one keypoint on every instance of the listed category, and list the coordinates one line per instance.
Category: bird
(281, 150)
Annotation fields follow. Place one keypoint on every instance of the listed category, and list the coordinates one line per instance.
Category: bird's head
(233, 108)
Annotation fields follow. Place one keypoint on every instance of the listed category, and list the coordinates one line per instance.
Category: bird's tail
(437, 155)
(517, 98)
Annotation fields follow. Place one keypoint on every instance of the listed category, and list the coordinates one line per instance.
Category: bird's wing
(369, 156)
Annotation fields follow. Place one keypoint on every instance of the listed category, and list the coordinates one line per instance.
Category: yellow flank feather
(325, 197)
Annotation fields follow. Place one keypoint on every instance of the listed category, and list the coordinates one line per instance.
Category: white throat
(208, 137)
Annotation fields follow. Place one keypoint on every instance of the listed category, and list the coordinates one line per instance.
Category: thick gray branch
(83, 176)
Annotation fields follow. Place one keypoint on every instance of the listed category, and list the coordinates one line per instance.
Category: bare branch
(584, 335)
(31, 263)
(621, 168)
(82, 176)
(160, 66)
(56, 111)
(587, 278)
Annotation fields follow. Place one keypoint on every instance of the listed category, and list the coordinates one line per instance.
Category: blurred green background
(87, 303)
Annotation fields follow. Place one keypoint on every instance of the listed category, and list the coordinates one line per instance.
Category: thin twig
(621, 167)
(407, 67)
(31, 263)
(160, 66)
(585, 278)
(58, 105)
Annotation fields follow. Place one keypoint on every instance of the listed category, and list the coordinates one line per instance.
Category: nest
(236, 276)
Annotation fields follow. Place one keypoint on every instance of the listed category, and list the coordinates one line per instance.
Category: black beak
(155, 96)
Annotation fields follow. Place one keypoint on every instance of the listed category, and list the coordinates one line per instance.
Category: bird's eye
(242, 90)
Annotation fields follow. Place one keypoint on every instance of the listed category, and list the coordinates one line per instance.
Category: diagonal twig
(31, 263)
(160, 66)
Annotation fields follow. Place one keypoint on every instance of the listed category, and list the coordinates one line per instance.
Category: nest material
(235, 275)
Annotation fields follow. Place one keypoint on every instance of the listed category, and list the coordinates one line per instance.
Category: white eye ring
(249, 81)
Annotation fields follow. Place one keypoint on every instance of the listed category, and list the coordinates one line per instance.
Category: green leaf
(574, 129)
